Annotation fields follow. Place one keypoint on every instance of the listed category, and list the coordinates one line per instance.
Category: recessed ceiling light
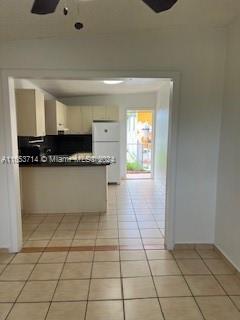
(113, 81)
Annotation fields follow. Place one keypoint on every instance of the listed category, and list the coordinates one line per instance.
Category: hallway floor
(114, 267)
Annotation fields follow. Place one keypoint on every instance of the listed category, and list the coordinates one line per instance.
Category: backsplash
(59, 145)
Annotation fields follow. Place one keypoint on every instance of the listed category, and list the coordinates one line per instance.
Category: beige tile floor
(114, 267)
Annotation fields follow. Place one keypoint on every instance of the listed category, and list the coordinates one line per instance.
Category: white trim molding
(8, 121)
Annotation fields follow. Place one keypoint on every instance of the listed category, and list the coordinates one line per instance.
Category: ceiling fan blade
(44, 6)
(160, 5)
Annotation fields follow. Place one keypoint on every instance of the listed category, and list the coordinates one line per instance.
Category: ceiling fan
(49, 6)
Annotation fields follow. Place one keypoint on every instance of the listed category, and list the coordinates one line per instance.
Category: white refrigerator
(106, 142)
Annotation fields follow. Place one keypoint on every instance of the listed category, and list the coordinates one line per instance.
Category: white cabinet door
(61, 116)
(40, 114)
(87, 119)
(112, 113)
(80, 119)
(56, 116)
(30, 112)
(51, 117)
(74, 120)
(99, 113)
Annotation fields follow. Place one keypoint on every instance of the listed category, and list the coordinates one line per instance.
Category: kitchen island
(64, 187)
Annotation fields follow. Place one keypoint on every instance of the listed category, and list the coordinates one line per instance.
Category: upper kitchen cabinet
(74, 119)
(99, 113)
(105, 113)
(80, 119)
(87, 119)
(112, 113)
(30, 112)
(56, 117)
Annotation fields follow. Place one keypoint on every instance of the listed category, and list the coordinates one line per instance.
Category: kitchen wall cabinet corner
(30, 111)
(112, 113)
(56, 117)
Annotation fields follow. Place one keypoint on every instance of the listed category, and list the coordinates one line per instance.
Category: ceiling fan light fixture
(44, 6)
(160, 5)
(112, 82)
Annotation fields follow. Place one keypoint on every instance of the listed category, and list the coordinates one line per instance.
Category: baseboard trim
(205, 246)
(227, 259)
(191, 246)
(4, 250)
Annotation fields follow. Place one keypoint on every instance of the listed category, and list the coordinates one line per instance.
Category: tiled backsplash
(61, 144)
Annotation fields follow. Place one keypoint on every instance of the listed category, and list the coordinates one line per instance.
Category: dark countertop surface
(57, 164)
(62, 161)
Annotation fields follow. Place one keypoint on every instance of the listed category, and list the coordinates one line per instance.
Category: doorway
(12, 220)
(139, 151)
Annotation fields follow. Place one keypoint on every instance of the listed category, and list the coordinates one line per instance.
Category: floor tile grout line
(117, 277)
(90, 280)
(200, 310)
(114, 278)
(32, 231)
(57, 281)
(20, 292)
(112, 299)
(54, 291)
(59, 278)
(4, 268)
(120, 264)
(160, 306)
(47, 216)
(55, 230)
(214, 276)
(238, 307)
(164, 259)
(75, 232)
(65, 215)
(121, 278)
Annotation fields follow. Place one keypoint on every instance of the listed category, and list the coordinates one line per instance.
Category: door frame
(11, 207)
(152, 109)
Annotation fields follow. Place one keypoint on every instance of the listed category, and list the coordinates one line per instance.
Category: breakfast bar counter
(70, 187)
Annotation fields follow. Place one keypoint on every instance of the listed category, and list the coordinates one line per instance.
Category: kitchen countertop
(77, 160)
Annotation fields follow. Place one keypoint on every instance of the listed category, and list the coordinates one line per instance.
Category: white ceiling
(73, 88)
(110, 16)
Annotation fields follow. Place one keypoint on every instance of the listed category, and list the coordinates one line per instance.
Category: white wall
(228, 195)
(26, 84)
(123, 101)
(199, 55)
(162, 130)
(4, 218)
